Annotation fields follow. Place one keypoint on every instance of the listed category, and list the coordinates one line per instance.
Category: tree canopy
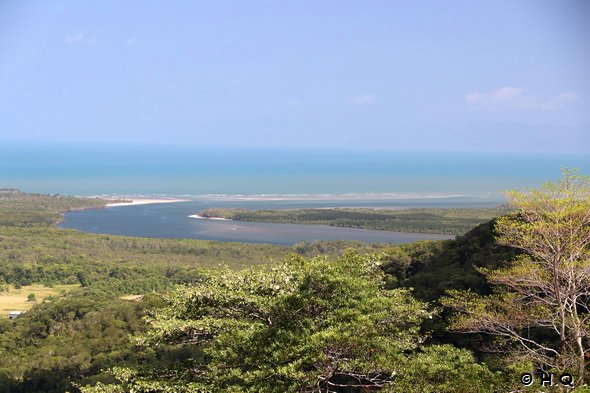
(540, 309)
(301, 326)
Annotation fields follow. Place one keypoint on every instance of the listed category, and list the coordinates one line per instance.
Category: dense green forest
(233, 317)
(455, 221)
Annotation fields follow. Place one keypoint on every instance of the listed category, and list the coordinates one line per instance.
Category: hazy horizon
(414, 76)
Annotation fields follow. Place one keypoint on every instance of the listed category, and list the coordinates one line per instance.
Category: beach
(143, 201)
(209, 218)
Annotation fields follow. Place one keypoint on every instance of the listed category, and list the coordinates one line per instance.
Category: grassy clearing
(134, 298)
(16, 299)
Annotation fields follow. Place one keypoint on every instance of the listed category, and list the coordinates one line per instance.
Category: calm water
(171, 221)
(91, 170)
(266, 179)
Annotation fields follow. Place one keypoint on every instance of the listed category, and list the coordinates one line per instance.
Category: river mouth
(172, 220)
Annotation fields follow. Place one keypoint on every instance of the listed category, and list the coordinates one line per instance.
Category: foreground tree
(301, 326)
(540, 310)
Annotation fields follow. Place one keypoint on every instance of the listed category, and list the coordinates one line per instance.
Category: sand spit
(209, 218)
(143, 201)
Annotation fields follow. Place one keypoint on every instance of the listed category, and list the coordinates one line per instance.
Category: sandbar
(143, 201)
(210, 218)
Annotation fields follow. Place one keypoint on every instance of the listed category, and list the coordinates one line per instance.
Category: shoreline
(209, 218)
(121, 202)
(142, 201)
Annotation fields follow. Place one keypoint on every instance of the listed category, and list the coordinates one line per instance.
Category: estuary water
(171, 220)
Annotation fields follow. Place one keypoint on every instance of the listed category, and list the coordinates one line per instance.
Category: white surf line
(143, 201)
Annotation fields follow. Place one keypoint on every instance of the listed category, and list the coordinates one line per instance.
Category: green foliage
(432, 268)
(337, 248)
(49, 255)
(66, 341)
(547, 288)
(70, 340)
(445, 369)
(22, 210)
(303, 325)
(296, 325)
(424, 220)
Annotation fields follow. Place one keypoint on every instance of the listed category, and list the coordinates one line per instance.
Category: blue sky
(410, 75)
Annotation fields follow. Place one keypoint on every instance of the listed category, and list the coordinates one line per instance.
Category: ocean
(266, 178)
(191, 171)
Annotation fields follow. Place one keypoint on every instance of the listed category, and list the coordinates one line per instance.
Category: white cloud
(502, 95)
(72, 39)
(364, 99)
(131, 41)
(507, 93)
(79, 39)
(517, 98)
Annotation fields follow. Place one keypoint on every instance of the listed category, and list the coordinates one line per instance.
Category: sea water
(195, 171)
(268, 179)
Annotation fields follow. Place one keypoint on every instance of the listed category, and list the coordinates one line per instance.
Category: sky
(410, 75)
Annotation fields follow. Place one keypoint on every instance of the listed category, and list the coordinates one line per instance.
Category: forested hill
(450, 221)
(432, 268)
